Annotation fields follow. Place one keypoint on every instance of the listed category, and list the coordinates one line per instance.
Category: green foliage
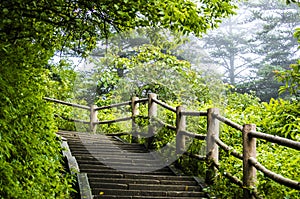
(278, 117)
(30, 160)
(30, 33)
(283, 117)
(291, 80)
(248, 56)
(79, 24)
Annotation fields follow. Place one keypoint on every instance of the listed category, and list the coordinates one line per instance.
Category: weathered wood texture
(276, 139)
(278, 178)
(168, 126)
(134, 113)
(194, 113)
(152, 112)
(67, 103)
(113, 121)
(228, 122)
(213, 142)
(113, 105)
(193, 135)
(164, 105)
(93, 118)
(249, 151)
(180, 126)
(212, 150)
(229, 149)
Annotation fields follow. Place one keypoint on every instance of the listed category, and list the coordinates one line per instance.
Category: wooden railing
(213, 142)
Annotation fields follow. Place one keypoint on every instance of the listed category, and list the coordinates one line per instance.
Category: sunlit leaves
(291, 80)
(71, 22)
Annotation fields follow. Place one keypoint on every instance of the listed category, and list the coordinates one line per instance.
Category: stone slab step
(127, 170)
(142, 197)
(82, 146)
(113, 155)
(94, 161)
(121, 192)
(145, 187)
(95, 181)
(116, 168)
(120, 160)
(163, 187)
(140, 176)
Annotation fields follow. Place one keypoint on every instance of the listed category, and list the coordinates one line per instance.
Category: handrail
(231, 177)
(67, 103)
(228, 149)
(71, 120)
(194, 113)
(194, 135)
(274, 176)
(113, 105)
(228, 122)
(164, 105)
(113, 121)
(142, 100)
(212, 138)
(276, 139)
(168, 126)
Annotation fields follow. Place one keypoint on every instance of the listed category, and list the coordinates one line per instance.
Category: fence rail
(213, 142)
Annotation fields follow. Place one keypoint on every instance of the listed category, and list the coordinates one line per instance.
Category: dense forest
(242, 57)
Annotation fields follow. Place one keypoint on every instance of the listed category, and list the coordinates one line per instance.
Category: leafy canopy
(78, 24)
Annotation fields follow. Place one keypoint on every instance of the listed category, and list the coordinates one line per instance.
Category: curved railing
(213, 142)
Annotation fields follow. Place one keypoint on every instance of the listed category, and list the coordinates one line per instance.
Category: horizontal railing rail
(113, 106)
(67, 103)
(164, 105)
(274, 176)
(228, 122)
(229, 149)
(194, 113)
(213, 142)
(276, 139)
(168, 126)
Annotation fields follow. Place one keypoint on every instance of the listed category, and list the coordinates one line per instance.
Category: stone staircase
(127, 171)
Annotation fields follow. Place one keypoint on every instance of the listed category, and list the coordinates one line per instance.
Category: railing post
(180, 126)
(249, 171)
(134, 113)
(93, 118)
(152, 112)
(212, 149)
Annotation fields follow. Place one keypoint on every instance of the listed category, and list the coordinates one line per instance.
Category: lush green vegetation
(277, 117)
(31, 32)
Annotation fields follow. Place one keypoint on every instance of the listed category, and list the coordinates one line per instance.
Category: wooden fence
(213, 142)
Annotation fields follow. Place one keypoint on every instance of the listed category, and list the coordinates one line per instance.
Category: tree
(251, 46)
(229, 49)
(30, 33)
(275, 44)
(81, 23)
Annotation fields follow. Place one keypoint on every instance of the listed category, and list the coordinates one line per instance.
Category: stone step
(95, 181)
(83, 146)
(95, 161)
(113, 154)
(124, 169)
(140, 176)
(129, 167)
(107, 150)
(121, 192)
(120, 160)
(163, 187)
(142, 197)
